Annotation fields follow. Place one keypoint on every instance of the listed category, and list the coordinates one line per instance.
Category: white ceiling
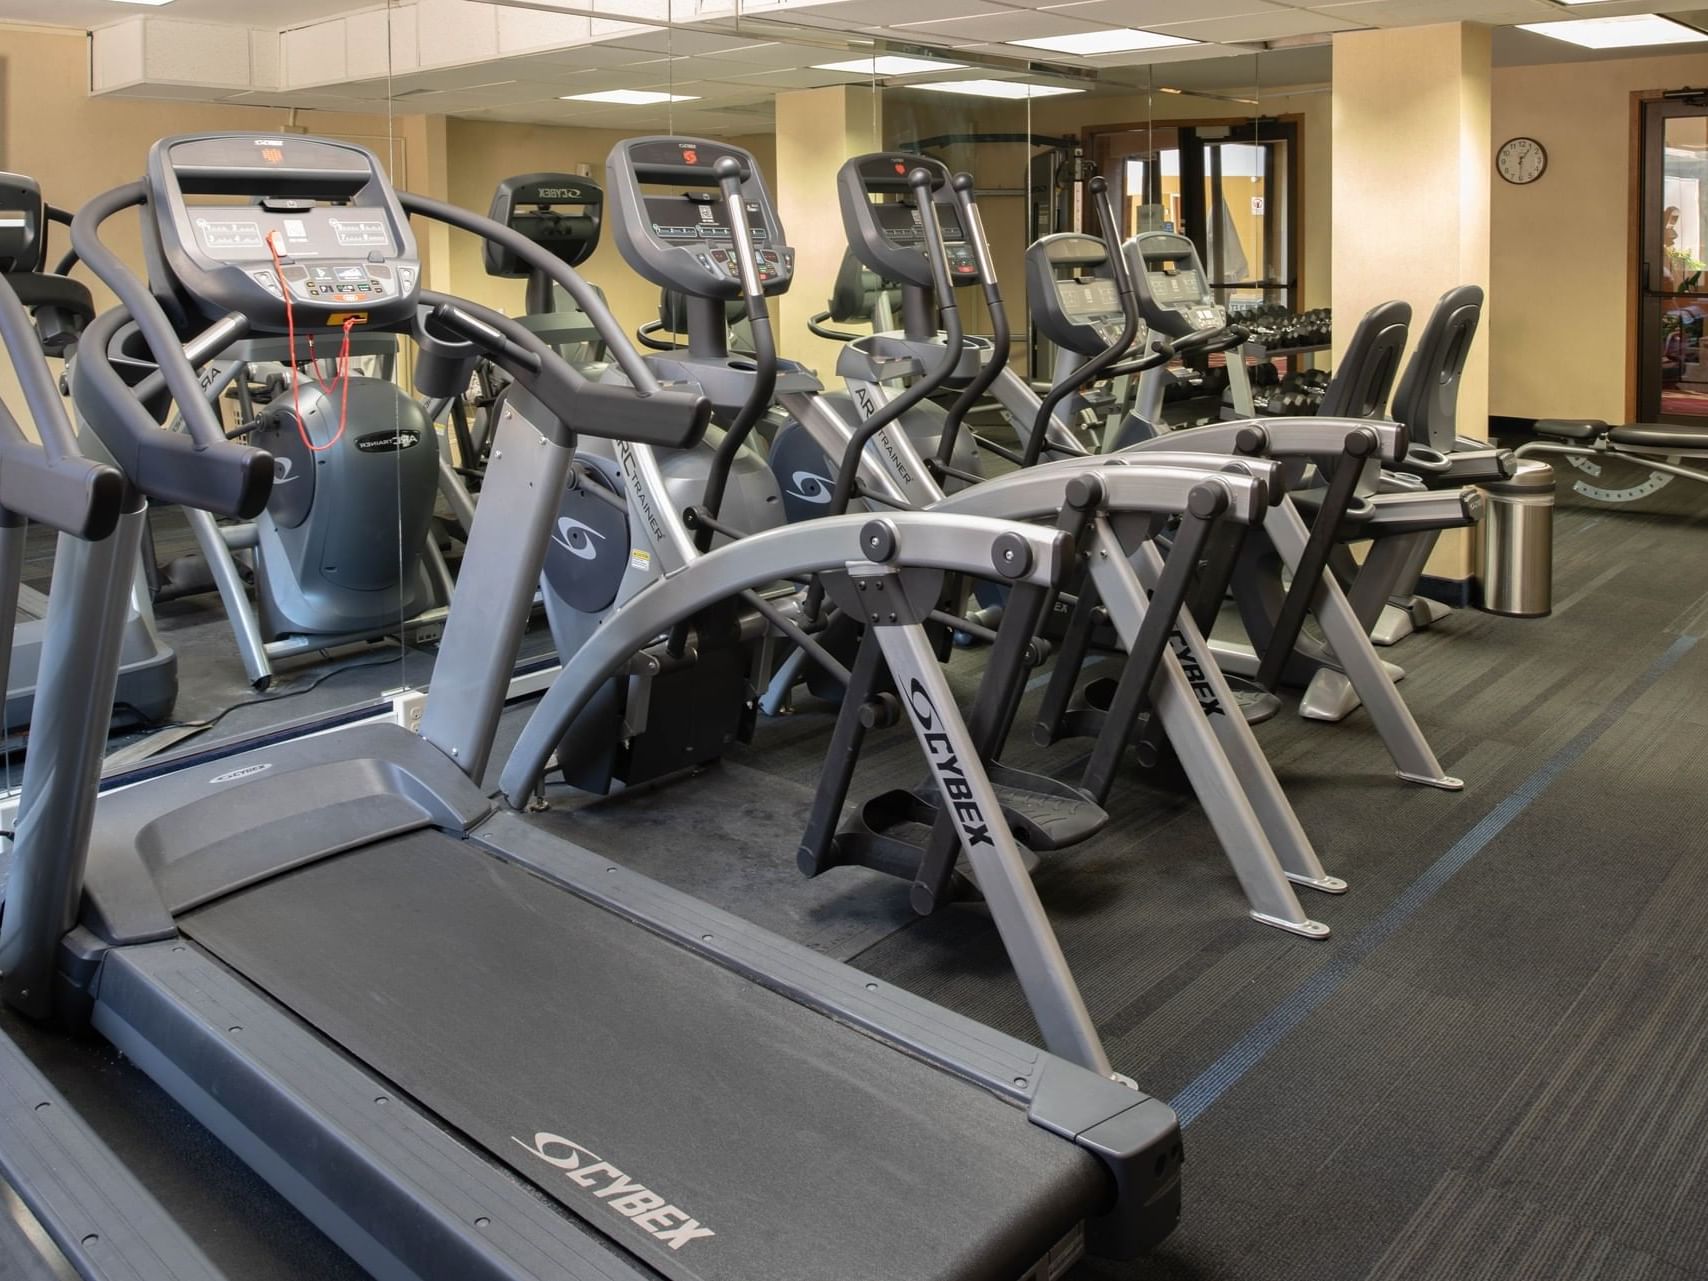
(738, 54)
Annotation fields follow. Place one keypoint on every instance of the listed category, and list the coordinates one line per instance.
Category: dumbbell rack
(1254, 351)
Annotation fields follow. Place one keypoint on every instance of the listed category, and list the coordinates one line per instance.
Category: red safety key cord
(342, 365)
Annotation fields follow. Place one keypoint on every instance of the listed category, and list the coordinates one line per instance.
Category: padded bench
(1657, 437)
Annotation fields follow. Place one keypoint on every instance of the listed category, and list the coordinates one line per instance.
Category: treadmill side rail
(103, 1220)
(327, 1134)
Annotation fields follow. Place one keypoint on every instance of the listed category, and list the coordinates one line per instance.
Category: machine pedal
(1044, 813)
(1256, 703)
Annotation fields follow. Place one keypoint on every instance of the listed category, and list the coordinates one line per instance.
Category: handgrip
(669, 417)
(1099, 365)
(654, 416)
(226, 478)
(76, 496)
(1001, 338)
(936, 253)
(163, 346)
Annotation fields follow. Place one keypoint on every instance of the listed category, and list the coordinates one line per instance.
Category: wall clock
(1521, 160)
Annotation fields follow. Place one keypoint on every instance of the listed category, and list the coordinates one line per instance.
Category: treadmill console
(673, 227)
(883, 226)
(1174, 294)
(559, 212)
(241, 219)
(1072, 293)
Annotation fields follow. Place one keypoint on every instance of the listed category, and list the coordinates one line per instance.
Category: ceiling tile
(800, 78)
(885, 13)
(593, 55)
(1152, 13)
(769, 54)
(1015, 25)
(1261, 26)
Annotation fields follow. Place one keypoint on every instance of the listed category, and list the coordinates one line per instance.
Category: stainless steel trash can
(1518, 542)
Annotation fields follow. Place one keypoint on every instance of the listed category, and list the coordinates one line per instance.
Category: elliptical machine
(619, 526)
(343, 552)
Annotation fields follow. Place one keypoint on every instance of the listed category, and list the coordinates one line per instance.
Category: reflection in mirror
(239, 627)
(520, 116)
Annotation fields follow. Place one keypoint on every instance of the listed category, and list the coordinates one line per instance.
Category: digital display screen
(242, 233)
(1086, 300)
(681, 221)
(1185, 286)
(900, 224)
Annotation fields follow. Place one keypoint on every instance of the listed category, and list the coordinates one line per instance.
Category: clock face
(1522, 160)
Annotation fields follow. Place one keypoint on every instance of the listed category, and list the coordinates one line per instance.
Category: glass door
(1673, 288)
(1246, 238)
(1229, 188)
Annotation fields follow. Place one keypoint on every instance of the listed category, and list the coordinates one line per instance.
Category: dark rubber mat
(710, 1126)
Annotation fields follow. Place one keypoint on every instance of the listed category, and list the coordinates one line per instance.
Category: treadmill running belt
(716, 1129)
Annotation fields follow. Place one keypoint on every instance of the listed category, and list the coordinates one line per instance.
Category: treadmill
(460, 1046)
(60, 307)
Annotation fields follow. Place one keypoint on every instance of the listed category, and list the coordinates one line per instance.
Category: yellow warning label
(341, 317)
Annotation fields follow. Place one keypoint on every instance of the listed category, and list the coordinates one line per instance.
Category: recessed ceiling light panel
(997, 89)
(888, 64)
(1618, 33)
(630, 97)
(154, 4)
(1088, 43)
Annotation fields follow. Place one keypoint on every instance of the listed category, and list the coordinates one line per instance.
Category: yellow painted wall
(1561, 244)
(817, 129)
(1411, 191)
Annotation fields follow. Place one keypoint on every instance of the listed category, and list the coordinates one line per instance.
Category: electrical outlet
(408, 706)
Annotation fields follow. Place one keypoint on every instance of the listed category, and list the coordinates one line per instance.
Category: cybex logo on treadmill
(810, 487)
(1195, 676)
(284, 470)
(639, 1204)
(559, 193)
(567, 528)
(383, 442)
(975, 829)
(246, 772)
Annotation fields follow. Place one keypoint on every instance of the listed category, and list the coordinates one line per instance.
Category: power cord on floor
(203, 726)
